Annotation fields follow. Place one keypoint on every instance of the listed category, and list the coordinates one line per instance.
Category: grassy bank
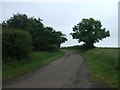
(36, 60)
(103, 64)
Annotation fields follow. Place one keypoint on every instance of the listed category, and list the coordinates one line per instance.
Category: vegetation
(21, 35)
(89, 31)
(104, 67)
(28, 44)
(17, 44)
(42, 36)
(103, 64)
(53, 48)
(36, 59)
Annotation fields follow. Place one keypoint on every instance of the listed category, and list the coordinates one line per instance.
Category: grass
(103, 64)
(36, 60)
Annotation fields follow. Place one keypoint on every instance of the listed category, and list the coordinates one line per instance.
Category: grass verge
(36, 60)
(103, 65)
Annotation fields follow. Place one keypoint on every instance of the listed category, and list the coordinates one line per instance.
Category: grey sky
(63, 16)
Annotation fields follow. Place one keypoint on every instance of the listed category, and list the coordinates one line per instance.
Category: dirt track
(70, 71)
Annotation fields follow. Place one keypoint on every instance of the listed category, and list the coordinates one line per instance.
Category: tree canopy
(89, 31)
(42, 36)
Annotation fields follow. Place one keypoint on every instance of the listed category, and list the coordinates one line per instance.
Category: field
(36, 59)
(103, 64)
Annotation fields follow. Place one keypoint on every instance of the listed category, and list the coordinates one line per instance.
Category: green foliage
(16, 44)
(102, 64)
(53, 48)
(42, 36)
(36, 59)
(104, 67)
(18, 21)
(89, 31)
(55, 37)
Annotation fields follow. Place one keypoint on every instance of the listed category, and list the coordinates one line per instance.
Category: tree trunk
(89, 45)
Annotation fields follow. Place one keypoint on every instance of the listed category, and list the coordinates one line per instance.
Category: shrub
(53, 48)
(16, 44)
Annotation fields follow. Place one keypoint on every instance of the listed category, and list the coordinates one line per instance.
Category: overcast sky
(62, 16)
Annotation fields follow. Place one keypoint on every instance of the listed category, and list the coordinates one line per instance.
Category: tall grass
(37, 59)
(103, 64)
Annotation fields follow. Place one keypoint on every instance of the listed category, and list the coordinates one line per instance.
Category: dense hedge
(16, 44)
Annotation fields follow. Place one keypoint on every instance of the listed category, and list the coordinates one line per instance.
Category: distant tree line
(23, 34)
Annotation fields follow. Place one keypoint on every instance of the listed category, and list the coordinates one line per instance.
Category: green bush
(16, 44)
(53, 48)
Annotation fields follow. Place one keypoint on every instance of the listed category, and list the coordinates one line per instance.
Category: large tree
(18, 21)
(55, 37)
(89, 31)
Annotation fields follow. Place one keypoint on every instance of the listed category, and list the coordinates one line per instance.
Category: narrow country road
(70, 71)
